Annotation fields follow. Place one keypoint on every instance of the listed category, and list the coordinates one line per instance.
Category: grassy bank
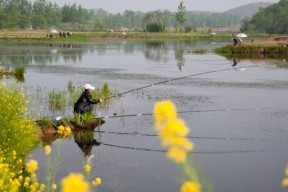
(265, 49)
(41, 35)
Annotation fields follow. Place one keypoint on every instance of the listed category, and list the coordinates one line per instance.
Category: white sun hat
(88, 86)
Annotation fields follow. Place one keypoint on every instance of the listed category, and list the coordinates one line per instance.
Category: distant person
(235, 41)
(85, 102)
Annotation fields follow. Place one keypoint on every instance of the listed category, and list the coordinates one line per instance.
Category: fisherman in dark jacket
(85, 102)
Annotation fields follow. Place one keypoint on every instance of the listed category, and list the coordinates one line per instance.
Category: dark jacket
(85, 103)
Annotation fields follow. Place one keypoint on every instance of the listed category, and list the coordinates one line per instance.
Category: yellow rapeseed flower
(191, 187)
(177, 155)
(87, 168)
(47, 149)
(42, 187)
(175, 127)
(164, 110)
(32, 166)
(54, 187)
(97, 181)
(74, 183)
(64, 131)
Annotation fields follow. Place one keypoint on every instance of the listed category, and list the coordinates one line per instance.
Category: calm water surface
(236, 150)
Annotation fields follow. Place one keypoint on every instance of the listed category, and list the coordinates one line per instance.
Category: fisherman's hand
(101, 100)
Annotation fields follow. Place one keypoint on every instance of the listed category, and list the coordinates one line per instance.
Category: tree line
(42, 14)
(272, 20)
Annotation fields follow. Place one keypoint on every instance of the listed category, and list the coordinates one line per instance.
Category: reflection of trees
(179, 52)
(41, 55)
(156, 51)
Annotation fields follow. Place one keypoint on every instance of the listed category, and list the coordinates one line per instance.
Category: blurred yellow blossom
(64, 131)
(47, 149)
(164, 110)
(87, 168)
(74, 183)
(42, 187)
(97, 181)
(285, 182)
(190, 187)
(177, 155)
(172, 132)
(32, 166)
(54, 187)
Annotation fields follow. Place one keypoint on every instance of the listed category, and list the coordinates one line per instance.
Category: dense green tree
(272, 19)
(155, 21)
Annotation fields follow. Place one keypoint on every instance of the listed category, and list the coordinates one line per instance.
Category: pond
(240, 130)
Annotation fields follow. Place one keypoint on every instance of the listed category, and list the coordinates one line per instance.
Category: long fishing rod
(191, 111)
(175, 79)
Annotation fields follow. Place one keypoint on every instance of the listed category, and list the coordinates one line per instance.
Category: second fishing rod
(179, 78)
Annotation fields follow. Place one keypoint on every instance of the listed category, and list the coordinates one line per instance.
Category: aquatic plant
(19, 73)
(45, 122)
(80, 119)
(105, 90)
(200, 51)
(71, 87)
(56, 100)
(173, 133)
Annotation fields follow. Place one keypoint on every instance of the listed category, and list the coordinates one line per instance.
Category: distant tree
(155, 21)
(181, 15)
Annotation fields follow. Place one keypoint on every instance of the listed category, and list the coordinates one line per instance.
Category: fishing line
(175, 79)
(189, 137)
(193, 152)
(193, 111)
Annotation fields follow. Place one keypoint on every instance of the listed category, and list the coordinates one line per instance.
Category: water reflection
(86, 141)
(156, 51)
(179, 55)
(43, 54)
(235, 62)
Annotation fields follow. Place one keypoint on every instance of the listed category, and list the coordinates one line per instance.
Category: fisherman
(85, 102)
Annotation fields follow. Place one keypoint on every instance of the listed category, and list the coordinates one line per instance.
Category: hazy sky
(115, 6)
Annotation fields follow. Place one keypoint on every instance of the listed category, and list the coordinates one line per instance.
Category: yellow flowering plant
(74, 182)
(173, 135)
(64, 131)
(18, 131)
